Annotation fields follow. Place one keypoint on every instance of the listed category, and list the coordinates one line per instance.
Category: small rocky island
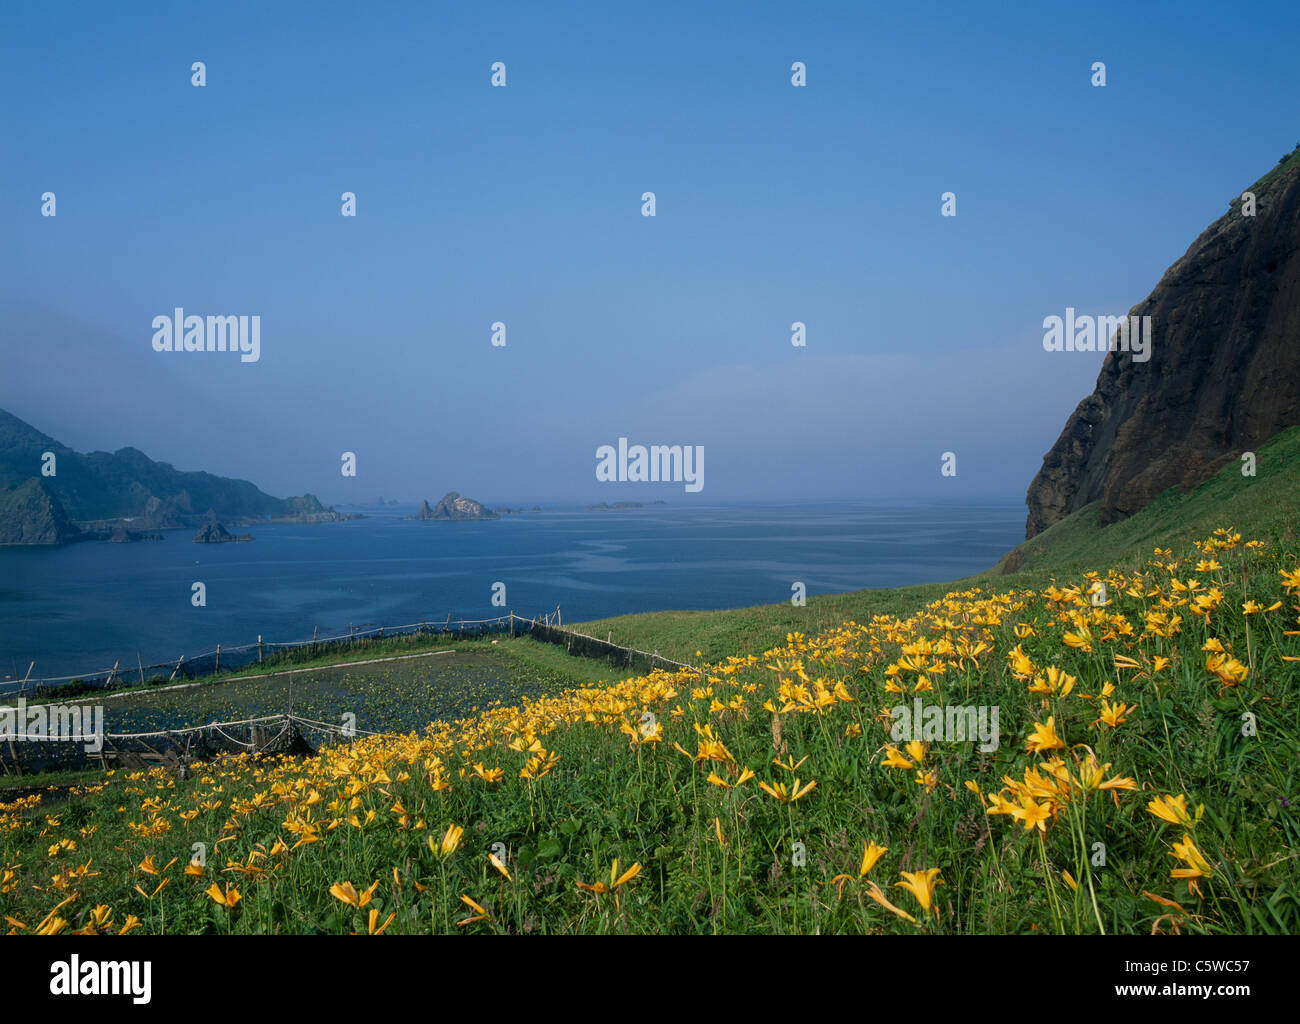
(454, 508)
(215, 533)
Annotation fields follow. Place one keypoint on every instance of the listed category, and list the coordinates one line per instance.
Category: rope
(191, 728)
(109, 672)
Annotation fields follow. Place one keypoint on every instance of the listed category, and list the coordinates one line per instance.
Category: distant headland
(51, 494)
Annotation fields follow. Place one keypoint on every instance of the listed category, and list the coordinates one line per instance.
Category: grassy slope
(1263, 506)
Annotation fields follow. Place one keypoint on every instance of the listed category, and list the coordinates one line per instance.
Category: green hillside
(103, 485)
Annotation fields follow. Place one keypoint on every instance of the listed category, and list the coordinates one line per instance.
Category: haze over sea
(80, 608)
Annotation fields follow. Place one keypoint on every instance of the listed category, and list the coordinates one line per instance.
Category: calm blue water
(82, 607)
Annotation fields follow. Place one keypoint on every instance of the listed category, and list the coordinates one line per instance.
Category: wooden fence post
(140, 666)
(218, 671)
(176, 669)
(259, 648)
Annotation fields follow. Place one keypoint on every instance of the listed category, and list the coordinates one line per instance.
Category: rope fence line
(546, 628)
(178, 747)
(255, 676)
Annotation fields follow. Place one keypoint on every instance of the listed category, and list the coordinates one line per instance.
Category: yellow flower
(779, 791)
(450, 840)
(1229, 670)
(228, 899)
(1032, 813)
(373, 920)
(488, 774)
(497, 863)
(893, 759)
(615, 879)
(870, 854)
(150, 895)
(347, 893)
(1045, 738)
(1173, 809)
(1197, 865)
(921, 885)
(1114, 715)
(482, 914)
(874, 892)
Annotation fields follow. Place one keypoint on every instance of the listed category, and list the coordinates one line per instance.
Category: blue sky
(523, 205)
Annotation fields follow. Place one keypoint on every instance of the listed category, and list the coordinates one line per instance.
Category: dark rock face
(31, 514)
(121, 535)
(105, 490)
(454, 507)
(215, 533)
(1222, 378)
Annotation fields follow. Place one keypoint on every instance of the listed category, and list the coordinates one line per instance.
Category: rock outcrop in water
(1223, 374)
(215, 533)
(453, 507)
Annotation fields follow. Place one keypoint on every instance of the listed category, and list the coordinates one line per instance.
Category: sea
(81, 608)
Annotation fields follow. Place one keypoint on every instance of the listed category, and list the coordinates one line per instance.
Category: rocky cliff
(102, 492)
(31, 514)
(454, 507)
(214, 533)
(1223, 374)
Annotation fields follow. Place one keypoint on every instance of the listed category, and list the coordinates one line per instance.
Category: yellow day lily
(1045, 738)
(873, 890)
(1173, 809)
(450, 841)
(347, 893)
(481, 915)
(374, 919)
(228, 899)
(1197, 865)
(921, 885)
(870, 854)
(893, 759)
(615, 879)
